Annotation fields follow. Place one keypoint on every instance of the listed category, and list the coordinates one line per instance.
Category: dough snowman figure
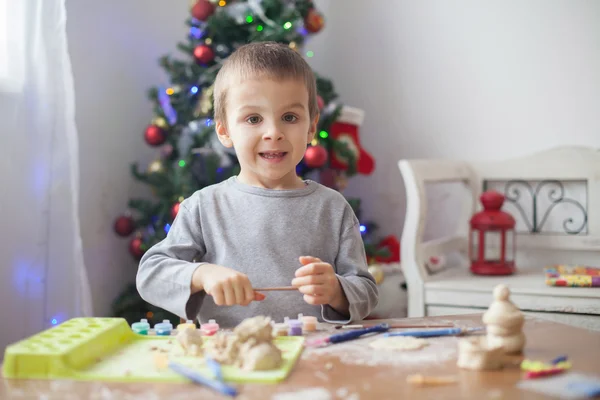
(504, 323)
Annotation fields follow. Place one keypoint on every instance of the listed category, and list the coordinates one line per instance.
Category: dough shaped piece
(191, 341)
(399, 343)
(250, 346)
(258, 328)
(504, 322)
(478, 354)
(260, 357)
(224, 348)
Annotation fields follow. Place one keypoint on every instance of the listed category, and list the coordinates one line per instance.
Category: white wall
(115, 46)
(461, 79)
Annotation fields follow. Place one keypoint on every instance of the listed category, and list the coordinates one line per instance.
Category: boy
(265, 227)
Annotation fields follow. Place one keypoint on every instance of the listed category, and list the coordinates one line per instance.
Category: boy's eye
(290, 118)
(255, 119)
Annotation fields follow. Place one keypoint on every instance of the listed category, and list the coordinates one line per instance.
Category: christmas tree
(189, 156)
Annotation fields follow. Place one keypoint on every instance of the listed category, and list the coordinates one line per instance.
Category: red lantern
(492, 238)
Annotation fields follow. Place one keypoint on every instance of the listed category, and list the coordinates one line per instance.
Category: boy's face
(268, 124)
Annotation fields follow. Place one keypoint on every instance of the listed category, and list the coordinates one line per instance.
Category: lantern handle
(492, 200)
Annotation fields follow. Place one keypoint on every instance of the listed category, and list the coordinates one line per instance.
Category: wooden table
(353, 370)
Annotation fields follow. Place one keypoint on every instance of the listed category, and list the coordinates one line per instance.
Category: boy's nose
(273, 133)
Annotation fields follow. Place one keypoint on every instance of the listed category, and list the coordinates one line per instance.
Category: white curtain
(43, 280)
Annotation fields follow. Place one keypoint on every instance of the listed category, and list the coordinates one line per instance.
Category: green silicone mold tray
(106, 349)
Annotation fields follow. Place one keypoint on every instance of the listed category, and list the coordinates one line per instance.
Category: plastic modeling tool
(396, 326)
(275, 289)
(435, 332)
(203, 380)
(350, 335)
(215, 368)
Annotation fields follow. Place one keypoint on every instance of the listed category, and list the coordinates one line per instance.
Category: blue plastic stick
(558, 359)
(342, 337)
(203, 380)
(215, 368)
(433, 332)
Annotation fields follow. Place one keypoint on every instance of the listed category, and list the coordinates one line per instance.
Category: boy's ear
(312, 129)
(222, 134)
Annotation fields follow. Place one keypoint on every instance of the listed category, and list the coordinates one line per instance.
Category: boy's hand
(225, 285)
(319, 284)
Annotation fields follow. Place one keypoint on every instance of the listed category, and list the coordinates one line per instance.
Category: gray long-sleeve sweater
(261, 233)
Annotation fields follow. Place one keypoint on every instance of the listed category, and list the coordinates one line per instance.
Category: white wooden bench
(554, 196)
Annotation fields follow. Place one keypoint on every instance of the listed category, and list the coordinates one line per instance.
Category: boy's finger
(312, 290)
(308, 280)
(259, 296)
(238, 291)
(248, 294)
(314, 300)
(308, 259)
(218, 298)
(229, 295)
(312, 269)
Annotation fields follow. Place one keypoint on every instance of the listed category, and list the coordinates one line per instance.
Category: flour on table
(359, 352)
(312, 394)
(399, 343)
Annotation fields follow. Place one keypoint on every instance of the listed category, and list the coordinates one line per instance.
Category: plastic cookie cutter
(538, 369)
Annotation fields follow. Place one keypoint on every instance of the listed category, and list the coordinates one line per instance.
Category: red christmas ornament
(135, 248)
(393, 246)
(315, 156)
(124, 226)
(202, 10)
(204, 54)
(492, 238)
(320, 102)
(154, 135)
(314, 21)
(175, 210)
(345, 129)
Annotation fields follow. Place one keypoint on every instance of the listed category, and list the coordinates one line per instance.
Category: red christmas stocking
(345, 129)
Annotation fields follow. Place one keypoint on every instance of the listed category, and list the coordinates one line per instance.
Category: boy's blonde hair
(263, 60)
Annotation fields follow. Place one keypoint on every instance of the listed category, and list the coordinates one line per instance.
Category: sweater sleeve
(165, 272)
(351, 268)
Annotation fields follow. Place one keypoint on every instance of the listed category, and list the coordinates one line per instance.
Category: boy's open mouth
(273, 155)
